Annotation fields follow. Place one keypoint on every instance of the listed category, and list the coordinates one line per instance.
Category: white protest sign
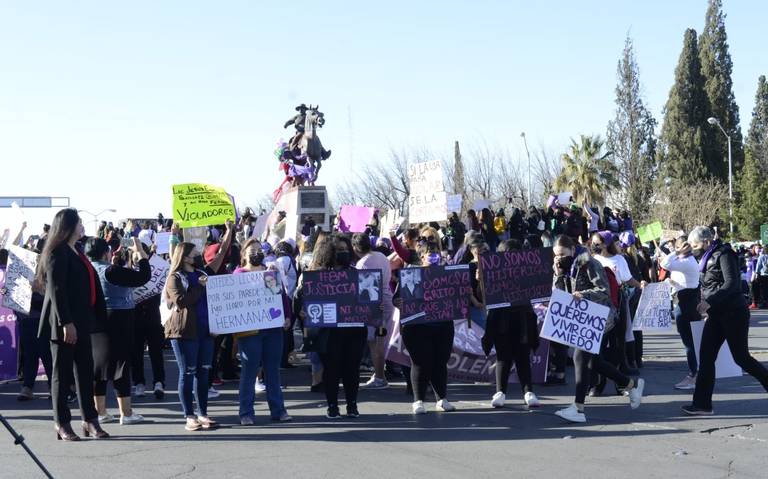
(162, 242)
(573, 322)
(427, 207)
(564, 198)
(197, 236)
(654, 311)
(480, 205)
(12, 224)
(426, 177)
(453, 203)
(725, 366)
(19, 275)
(427, 200)
(260, 227)
(245, 302)
(156, 282)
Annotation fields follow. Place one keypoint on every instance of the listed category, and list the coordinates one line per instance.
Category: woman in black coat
(73, 304)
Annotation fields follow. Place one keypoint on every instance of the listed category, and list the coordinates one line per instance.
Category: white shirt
(683, 272)
(618, 265)
(287, 274)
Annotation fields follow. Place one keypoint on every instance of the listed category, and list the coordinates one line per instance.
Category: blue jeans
(684, 329)
(194, 357)
(35, 349)
(261, 350)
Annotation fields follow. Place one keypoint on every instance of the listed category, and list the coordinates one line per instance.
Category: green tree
(751, 210)
(757, 137)
(630, 137)
(684, 150)
(716, 67)
(588, 173)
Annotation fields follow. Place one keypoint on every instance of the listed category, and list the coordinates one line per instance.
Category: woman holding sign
(727, 317)
(112, 340)
(188, 330)
(260, 348)
(583, 277)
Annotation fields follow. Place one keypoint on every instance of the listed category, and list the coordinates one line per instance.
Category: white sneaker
(572, 414)
(375, 383)
(106, 418)
(531, 400)
(418, 407)
(213, 393)
(159, 391)
(132, 419)
(260, 387)
(636, 394)
(444, 406)
(498, 399)
(139, 390)
(687, 384)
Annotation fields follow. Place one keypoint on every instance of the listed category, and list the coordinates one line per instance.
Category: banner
(434, 293)
(245, 302)
(19, 275)
(342, 298)
(725, 366)
(156, 283)
(163, 242)
(8, 343)
(196, 204)
(513, 278)
(574, 322)
(453, 203)
(650, 232)
(197, 236)
(354, 219)
(654, 311)
(468, 361)
(427, 201)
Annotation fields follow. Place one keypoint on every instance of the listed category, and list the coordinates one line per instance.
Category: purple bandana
(705, 258)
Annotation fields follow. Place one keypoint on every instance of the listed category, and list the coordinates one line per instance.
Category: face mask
(434, 258)
(343, 258)
(565, 263)
(256, 259)
(198, 263)
(596, 248)
(698, 252)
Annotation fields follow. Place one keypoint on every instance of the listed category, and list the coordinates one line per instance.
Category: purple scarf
(705, 258)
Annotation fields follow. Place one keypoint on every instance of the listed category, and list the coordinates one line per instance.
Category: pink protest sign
(353, 219)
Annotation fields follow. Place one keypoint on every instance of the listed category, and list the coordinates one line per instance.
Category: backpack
(614, 288)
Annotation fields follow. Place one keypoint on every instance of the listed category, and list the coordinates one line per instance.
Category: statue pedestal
(300, 203)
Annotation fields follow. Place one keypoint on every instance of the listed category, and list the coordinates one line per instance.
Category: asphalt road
(387, 441)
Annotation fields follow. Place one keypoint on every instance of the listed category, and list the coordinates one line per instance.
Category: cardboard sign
(453, 203)
(654, 311)
(393, 219)
(245, 302)
(19, 275)
(197, 236)
(197, 204)
(342, 298)
(427, 201)
(427, 207)
(156, 283)
(564, 198)
(434, 293)
(426, 177)
(480, 205)
(8, 340)
(650, 232)
(260, 227)
(514, 278)
(163, 242)
(725, 366)
(354, 219)
(574, 322)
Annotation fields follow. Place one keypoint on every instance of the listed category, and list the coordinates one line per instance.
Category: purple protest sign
(354, 219)
(344, 298)
(514, 278)
(434, 293)
(8, 343)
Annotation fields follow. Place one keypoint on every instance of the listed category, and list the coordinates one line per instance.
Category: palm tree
(587, 172)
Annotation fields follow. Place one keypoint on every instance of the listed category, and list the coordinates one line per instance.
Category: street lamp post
(530, 188)
(714, 121)
(96, 216)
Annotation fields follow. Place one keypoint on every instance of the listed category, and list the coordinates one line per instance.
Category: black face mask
(198, 263)
(343, 258)
(596, 248)
(256, 259)
(565, 263)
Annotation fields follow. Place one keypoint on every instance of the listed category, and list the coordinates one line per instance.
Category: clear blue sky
(112, 102)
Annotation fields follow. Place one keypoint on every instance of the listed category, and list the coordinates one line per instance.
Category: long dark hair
(64, 225)
(324, 256)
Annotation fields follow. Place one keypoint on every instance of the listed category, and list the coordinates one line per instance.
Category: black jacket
(721, 281)
(68, 297)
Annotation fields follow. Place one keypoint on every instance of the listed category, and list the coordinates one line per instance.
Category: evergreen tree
(630, 137)
(751, 209)
(716, 67)
(685, 140)
(757, 137)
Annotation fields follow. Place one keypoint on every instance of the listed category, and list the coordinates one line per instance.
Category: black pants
(586, 364)
(288, 344)
(72, 365)
(148, 330)
(341, 359)
(762, 286)
(223, 358)
(512, 346)
(112, 350)
(731, 326)
(429, 346)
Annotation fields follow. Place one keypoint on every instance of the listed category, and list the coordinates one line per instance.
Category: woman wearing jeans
(187, 328)
(260, 349)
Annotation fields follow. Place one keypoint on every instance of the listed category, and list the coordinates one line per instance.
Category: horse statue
(301, 158)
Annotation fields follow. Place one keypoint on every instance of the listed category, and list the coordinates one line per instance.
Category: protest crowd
(566, 284)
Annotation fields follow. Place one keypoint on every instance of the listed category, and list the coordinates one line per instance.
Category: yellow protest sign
(196, 204)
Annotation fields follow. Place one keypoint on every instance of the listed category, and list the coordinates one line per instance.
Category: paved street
(387, 441)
